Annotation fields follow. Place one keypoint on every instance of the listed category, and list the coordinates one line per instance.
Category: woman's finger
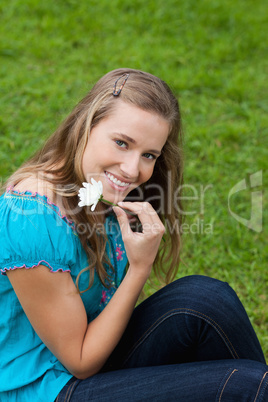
(123, 221)
(148, 217)
(140, 208)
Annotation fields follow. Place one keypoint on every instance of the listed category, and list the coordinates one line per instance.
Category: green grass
(213, 53)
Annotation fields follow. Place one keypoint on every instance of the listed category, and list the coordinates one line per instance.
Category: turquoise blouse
(34, 232)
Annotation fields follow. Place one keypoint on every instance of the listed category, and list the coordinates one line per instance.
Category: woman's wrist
(139, 272)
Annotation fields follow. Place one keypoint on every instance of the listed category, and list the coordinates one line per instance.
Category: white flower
(91, 194)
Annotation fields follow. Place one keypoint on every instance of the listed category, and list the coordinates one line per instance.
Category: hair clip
(117, 92)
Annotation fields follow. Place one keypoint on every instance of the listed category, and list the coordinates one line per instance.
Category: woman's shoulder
(33, 199)
(33, 229)
(34, 185)
(38, 186)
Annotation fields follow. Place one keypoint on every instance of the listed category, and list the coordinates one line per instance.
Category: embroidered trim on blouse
(43, 198)
(5, 269)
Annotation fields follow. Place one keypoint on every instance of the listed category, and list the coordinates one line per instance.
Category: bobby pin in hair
(117, 92)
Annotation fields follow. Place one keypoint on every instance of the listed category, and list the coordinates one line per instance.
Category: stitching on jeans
(226, 383)
(260, 386)
(172, 312)
(199, 315)
(68, 394)
(71, 390)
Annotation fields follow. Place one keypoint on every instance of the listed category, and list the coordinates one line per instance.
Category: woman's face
(122, 149)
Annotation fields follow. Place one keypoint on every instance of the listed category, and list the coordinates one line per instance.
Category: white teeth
(116, 181)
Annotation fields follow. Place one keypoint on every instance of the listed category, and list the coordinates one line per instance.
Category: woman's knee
(199, 287)
(200, 296)
(208, 296)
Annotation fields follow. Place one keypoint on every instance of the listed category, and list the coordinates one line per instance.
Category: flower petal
(90, 194)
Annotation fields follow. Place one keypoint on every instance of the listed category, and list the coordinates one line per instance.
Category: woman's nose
(130, 167)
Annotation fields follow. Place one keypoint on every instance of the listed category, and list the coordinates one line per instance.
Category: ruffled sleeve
(33, 232)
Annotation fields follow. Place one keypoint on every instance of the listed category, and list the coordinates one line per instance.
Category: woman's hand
(141, 248)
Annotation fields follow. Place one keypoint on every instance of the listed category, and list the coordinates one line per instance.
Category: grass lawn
(213, 53)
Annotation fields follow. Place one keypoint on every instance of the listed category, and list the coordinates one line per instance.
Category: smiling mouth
(117, 182)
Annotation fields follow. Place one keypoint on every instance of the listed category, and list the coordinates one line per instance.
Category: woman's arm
(56, 311)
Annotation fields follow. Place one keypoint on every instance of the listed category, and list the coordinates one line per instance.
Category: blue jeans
(190, 341)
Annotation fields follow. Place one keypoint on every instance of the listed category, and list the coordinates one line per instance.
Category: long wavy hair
(60, 163)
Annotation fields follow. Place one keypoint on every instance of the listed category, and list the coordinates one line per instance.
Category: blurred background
(213, 54)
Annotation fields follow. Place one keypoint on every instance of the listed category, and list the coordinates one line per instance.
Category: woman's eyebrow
(129, 139)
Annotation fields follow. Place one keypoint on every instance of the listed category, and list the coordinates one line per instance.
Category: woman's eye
(121, 143)
(149, 156)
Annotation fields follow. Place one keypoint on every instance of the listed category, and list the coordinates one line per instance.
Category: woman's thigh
(195, 318)
(187, 342)
(226, 380)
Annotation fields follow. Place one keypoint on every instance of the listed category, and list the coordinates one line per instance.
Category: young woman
(69, 326)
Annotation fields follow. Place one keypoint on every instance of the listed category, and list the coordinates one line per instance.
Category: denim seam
(261, 385)
(173, 312)
(224, 385)
(69, 391)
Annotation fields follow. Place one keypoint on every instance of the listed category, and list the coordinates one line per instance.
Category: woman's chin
(114, 198)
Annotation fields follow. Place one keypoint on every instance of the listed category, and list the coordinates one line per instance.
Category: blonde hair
(62, 154)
